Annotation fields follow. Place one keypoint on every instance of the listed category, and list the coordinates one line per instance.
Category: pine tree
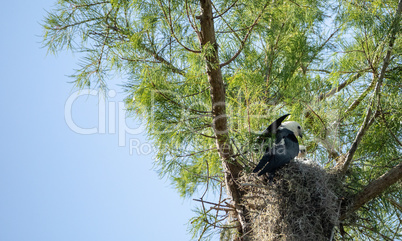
(208, 76)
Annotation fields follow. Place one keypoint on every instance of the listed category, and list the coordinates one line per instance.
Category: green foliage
(287, 61)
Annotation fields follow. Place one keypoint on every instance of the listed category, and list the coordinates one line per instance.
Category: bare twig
(239, 152)
(198, 152)
(193, 25)
(211, 203)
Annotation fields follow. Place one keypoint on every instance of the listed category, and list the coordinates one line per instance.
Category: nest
(299, 204)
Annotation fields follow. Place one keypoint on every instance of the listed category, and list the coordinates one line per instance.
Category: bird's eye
(298, 127)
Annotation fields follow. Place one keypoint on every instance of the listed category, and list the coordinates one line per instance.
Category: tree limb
(226, 10)
(375, 188)
(394, 30)
(220, 122)
(193, 25)
(359, 99)
(344, 165)
(339, 87)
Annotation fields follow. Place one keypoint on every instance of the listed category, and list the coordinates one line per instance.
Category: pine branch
(339, 87)
(321, 47)
(243, 42)
(195, 153)
(227, 24)
(359, 99)
(345, 163)
(395, 204)
(375, 188)
(58, 28)
(168, 18)
(366, 123)
(164, 61)
(177, 103)
(273, 48)
(88, 5)
(193, 25)
(226, 10)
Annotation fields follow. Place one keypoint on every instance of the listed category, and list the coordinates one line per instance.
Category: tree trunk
(220, 124)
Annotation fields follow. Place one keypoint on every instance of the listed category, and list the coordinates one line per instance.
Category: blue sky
(55, 183)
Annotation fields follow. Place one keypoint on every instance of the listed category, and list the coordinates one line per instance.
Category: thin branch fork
(217, 206)
(322, 46)
(231, 29)
(359, 99)
(243, 42)
(193, 25)
(225, 11)
(375, 231)
(155, 55)
(168, 18)
(395, 203)
(386, 126)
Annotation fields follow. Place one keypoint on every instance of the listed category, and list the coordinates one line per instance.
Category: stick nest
(299, 204)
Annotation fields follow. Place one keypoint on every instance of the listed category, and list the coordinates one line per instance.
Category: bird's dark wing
(271, 129)
(261, 142)
(285, 149)
(264, 160)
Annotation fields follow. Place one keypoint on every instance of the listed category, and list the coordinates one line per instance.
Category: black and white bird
(285, 148)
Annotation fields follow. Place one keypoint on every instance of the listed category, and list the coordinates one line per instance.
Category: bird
(302, 151)
(264, 138)
(271, 129)
(301, 158)
(285, 148)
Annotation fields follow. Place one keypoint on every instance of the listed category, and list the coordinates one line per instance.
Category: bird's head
(294, 127)
(302, 151)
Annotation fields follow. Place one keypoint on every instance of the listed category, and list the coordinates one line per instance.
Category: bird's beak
(301, 135)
